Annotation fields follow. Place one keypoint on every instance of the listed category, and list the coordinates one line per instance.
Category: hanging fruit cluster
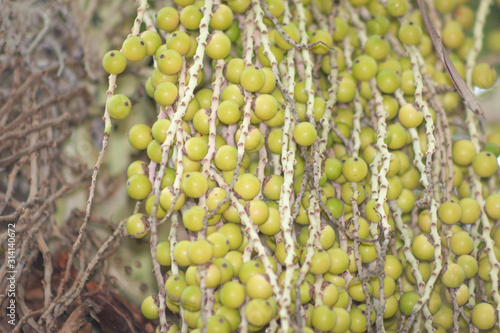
(315, 164)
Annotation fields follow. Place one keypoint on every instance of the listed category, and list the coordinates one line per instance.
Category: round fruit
(119, 106)
(354, 169)
(167, 18)
(194, 184)
(166, 93)
(470, 210)
(484, 76)
(292, 34)
(252, 79)
(259, 312)
(152, 40)
(408, 301)
(485, 164)
(247, 186)
(450, 212)
(174, 286)
(196, 148)
(190, 17)
(463, 152)
(469, 265)
(266, 106)
(410, 33)
(163, 253)
(454, 276)
(461, 243)
(305, 134)
(258, 286)
(149, 308)
(483, 316)
(409, 116)
(221, 18)
(422, 248)
(218, 46)
(323, 318)
(134, 48)
(191, 298)
(114, 62)
(200, 251)
(226, 158)
(377, 47)
(138, 187)
(169, 62)
(323, 41)
(492, 206)
(364, 68)
(397, 8)
(452, 35)
(388, 81)
(136, 226)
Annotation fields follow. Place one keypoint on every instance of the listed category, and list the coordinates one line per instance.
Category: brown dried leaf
(78, 318)
(114, 315)
(468, 97)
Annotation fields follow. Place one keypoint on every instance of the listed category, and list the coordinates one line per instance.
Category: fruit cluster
(312, 161)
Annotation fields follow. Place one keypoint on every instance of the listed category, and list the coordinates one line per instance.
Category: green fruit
(119, 106)
(483, 316)
(149, 308)
(305, 134)
(114, 62)
(407, 302)
(138, 187)
(134, 48)
(323, 318)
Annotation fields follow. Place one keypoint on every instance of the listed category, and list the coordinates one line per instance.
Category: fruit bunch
(315, 165)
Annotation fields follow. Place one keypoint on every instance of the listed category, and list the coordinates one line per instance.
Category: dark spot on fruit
(176, 278)
(126, 103)
(112, 54)
(142, 43)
